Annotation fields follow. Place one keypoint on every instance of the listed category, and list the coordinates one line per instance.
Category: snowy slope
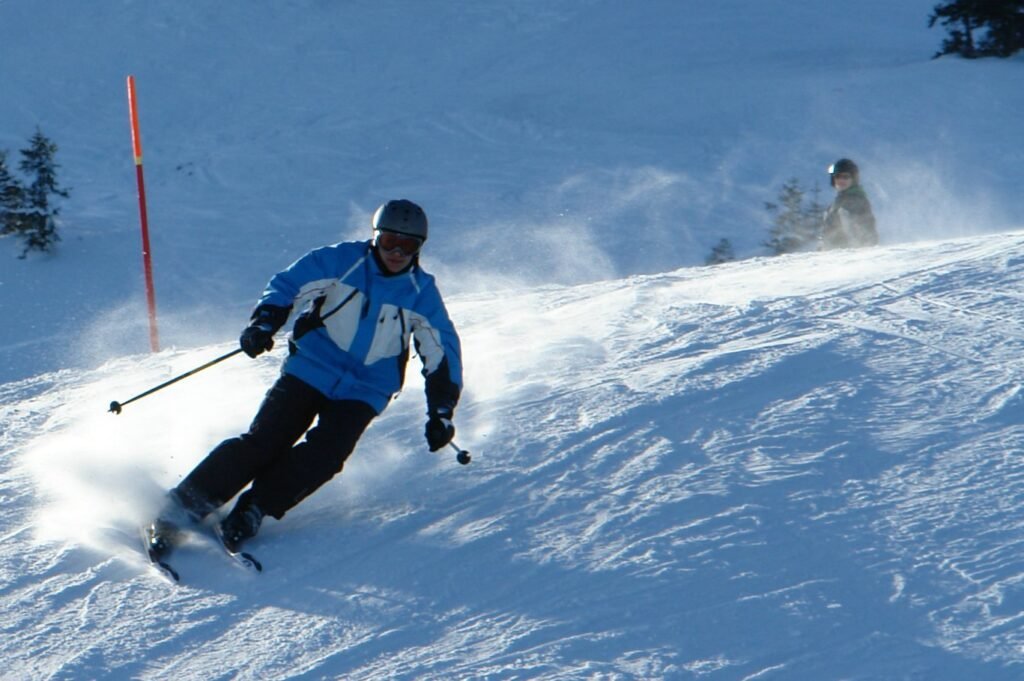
(639, 134)
(791, 468)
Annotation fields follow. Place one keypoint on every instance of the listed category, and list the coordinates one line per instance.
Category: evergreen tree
(981, 28)
(1005, 22)
(37, 222)
(722, 252)
(11, 194)
(795, 226)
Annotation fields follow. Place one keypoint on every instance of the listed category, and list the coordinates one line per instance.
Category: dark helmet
(402, 216)
(844, 165)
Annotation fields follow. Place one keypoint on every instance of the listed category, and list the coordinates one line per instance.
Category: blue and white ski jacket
(352, 339)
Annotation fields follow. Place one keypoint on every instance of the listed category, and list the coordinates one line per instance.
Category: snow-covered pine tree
(795, 226)
(722, 252)
(10, 198)
(37, 224)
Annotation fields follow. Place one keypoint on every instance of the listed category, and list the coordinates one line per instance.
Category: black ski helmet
(844, 165)
(402, 216)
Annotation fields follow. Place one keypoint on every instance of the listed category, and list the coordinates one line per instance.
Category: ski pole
(115, 406)
(462, 455)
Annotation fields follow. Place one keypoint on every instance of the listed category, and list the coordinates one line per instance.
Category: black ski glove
(257, 338)
(439, 431)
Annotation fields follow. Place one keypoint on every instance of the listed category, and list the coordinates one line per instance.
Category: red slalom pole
(147, 261)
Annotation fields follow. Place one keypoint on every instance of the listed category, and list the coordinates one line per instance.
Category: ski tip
(251, 560)
(165, 571)
(169, 571)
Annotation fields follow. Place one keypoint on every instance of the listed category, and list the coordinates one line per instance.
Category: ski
(241, 558)
(157, 547)
(167, 572)
(156, 561)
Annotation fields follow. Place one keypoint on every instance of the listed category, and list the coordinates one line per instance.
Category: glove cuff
(269, 317)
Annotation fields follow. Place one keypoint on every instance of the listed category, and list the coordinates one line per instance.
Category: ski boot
(182, 508)
(161, 536)
(164, 533)
(241, 524)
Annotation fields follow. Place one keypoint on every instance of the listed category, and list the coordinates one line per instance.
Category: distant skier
(849, 221)
(347, 355)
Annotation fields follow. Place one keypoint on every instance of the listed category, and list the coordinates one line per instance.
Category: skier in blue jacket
(363, 303)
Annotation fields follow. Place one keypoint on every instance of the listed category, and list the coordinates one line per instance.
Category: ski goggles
(391, 241)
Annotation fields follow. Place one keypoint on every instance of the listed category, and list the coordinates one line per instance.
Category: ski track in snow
(760, 483)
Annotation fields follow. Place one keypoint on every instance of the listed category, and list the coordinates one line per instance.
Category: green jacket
(849, 222)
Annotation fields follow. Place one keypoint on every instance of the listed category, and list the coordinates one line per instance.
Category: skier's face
(395, 261)
(842, 181)
(397, 250)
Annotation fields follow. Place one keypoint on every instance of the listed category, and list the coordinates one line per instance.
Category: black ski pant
(282, 473)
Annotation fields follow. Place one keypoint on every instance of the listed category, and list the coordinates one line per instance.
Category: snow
(800, 467)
